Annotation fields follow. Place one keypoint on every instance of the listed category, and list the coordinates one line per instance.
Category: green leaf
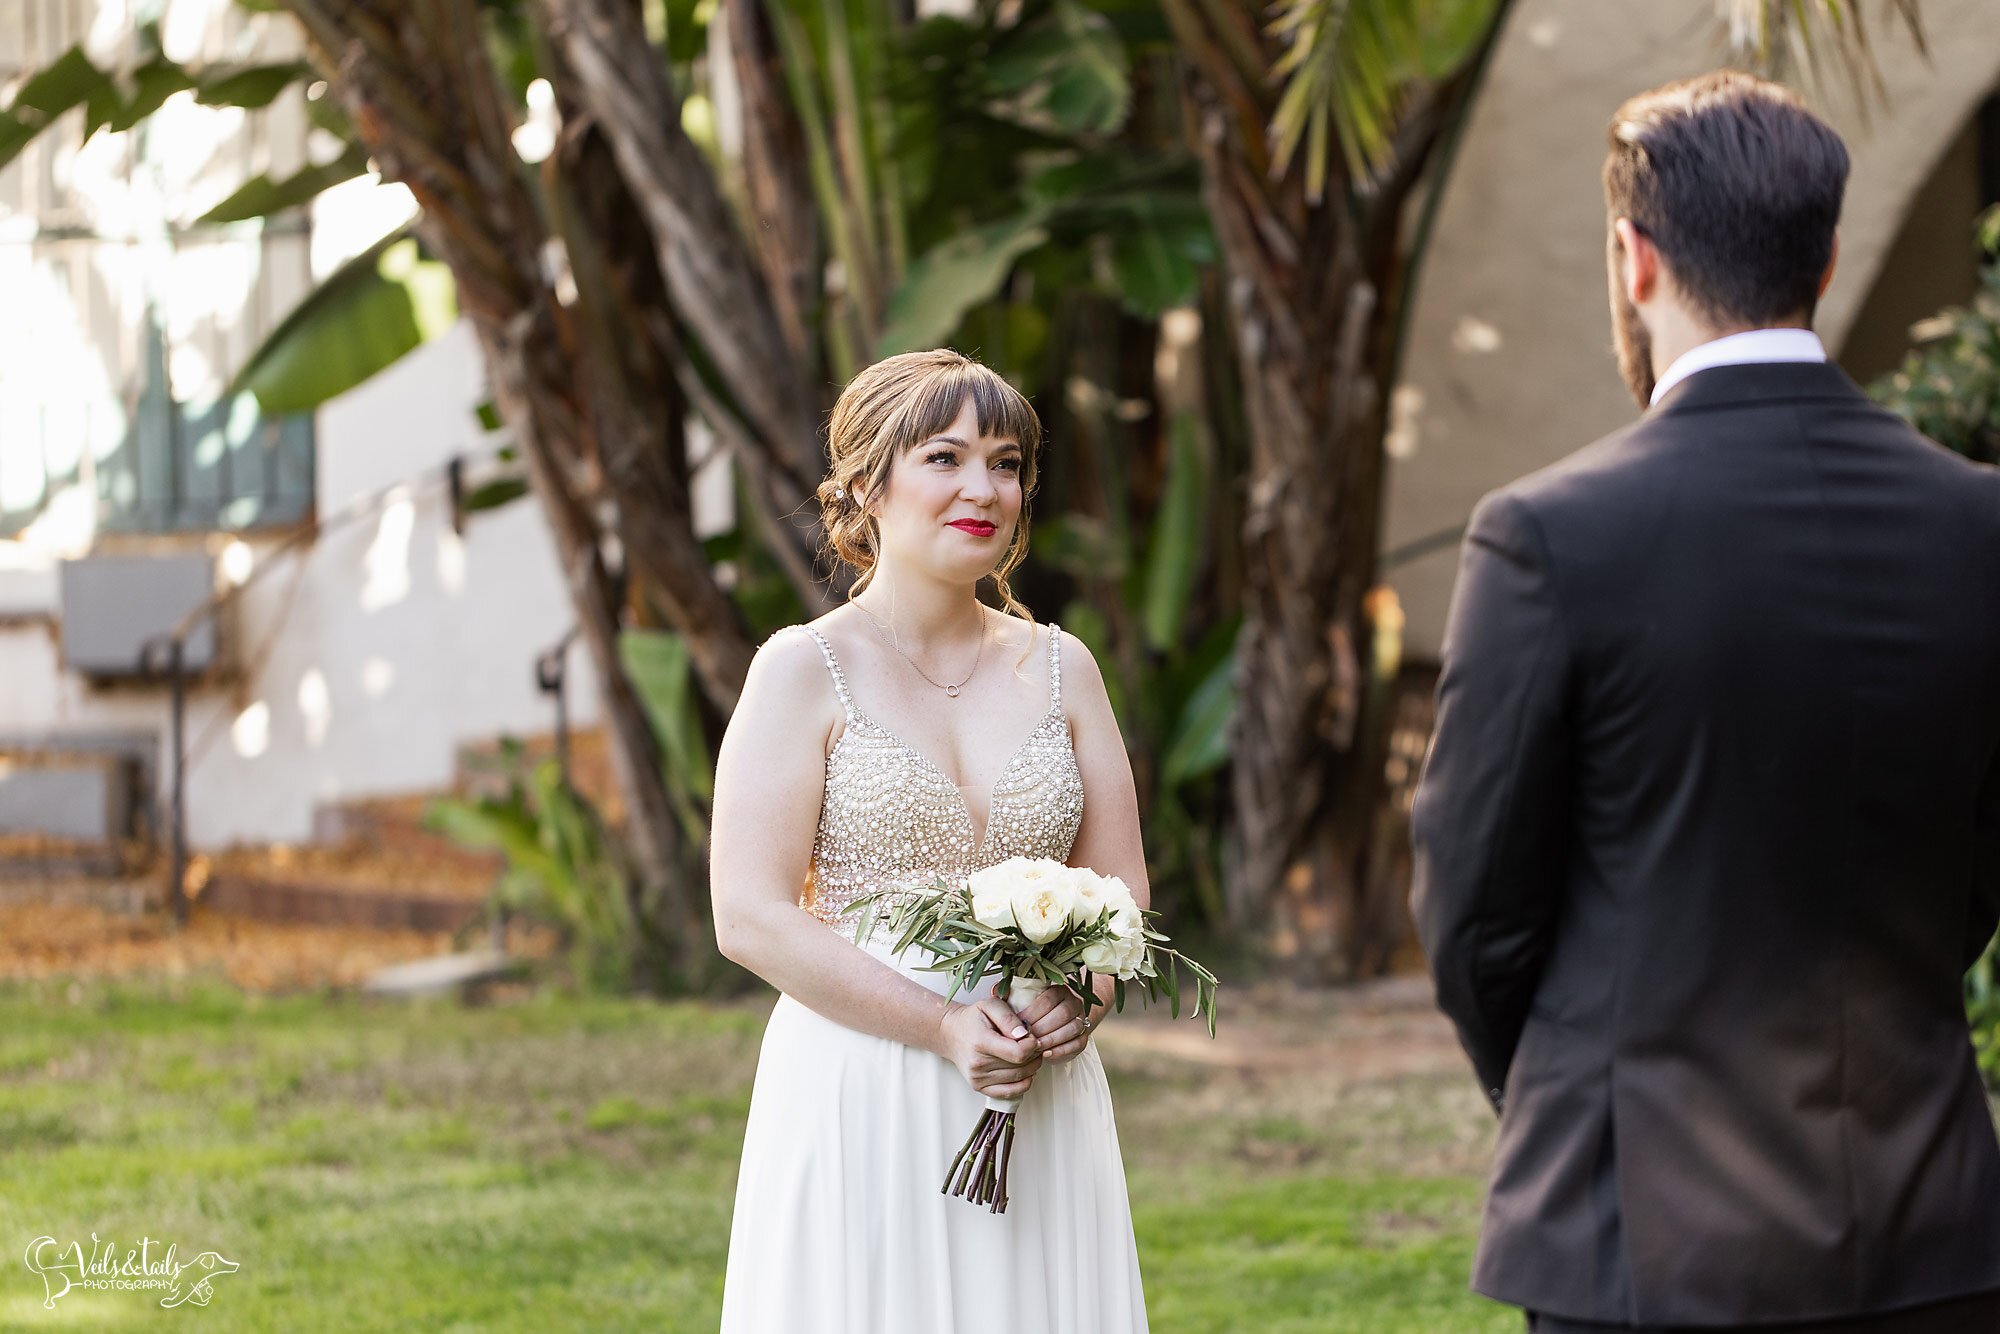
(68, 81)
(260, 196)
(687, 28)
(952, 277)
(489, 416)
(152, 84)
(326, 112)
(1346, 68)
(1151, 275)
(368, 314)
(1066, 72)
(1082, 545)
(508, 829)
(1179, 526)
(1200, 743)
(1088, 624)
(662, 672)
(494, 494)
(257, 86)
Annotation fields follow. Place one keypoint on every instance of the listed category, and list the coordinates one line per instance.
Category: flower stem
(979, 1172)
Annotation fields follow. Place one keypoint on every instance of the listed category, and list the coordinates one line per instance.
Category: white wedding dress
(840, 1226)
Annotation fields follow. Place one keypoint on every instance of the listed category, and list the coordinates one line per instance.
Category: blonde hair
(890, 408)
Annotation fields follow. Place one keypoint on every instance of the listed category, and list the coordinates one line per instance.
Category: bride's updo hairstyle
(890, 408)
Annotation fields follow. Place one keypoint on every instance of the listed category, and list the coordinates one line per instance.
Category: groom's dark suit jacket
(1709, 832)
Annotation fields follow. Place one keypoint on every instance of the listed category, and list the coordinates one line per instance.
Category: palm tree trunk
(419, 86)
(1314, 300)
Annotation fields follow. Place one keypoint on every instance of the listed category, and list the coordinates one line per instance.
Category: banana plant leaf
(72, 80)
(69, 80)
(1067, 72)
(953, 277)
(379, 306)
(660, 670)
(1200, 743)
(1179, 526)
(254, 86)
(261, 196)
(152, 84)
(1157, 257)
(686, 23)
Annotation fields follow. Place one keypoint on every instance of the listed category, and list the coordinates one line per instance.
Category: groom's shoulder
(1613, 470)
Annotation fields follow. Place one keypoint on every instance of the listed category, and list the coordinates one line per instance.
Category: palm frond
(1348, 69)
(1787, 39)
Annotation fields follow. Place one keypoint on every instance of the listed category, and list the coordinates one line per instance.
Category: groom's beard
(1635, 346)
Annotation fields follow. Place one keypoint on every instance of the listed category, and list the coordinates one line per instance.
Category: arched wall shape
(1510, 365)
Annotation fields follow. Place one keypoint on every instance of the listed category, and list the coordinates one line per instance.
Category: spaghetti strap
(1055, 666)
(833, 666)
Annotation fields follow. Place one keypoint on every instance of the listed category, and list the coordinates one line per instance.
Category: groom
(1710, 829)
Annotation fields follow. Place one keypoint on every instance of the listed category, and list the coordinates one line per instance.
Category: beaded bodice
(891, 818)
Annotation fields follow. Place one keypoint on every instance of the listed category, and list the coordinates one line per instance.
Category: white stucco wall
(1511, 339)
(396, 642)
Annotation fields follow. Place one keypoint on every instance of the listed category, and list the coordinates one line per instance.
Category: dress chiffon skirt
(840, 1226)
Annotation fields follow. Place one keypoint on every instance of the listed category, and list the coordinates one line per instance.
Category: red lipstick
(976, 527)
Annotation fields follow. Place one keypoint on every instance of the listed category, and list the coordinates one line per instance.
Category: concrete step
(394, 827)
(440, 974)
(338, 905)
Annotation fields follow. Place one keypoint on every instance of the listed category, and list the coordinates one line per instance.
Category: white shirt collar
(1738, 349)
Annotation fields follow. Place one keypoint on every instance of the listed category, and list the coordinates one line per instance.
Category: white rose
(1091, 900)
(1128, 929)
(1042, 899)
(992, 892)
(1117, 893)
(1131, 952)
(1127, 922)
(1104, 957)
(993, 908)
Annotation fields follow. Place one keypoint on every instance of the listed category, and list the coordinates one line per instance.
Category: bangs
(999, 408)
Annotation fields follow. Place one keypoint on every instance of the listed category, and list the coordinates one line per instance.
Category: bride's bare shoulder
(788, 666)
(1016, 632)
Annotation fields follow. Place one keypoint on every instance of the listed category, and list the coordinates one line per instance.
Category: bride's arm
(1108, 840)
(769, 777)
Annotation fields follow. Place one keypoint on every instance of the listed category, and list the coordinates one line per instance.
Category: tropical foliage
(1191, 229)
(1949, 385)
(563, 867)
(1982, 1009)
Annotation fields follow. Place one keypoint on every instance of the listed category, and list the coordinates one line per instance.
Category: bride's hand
(979, 1039)
(1055, 1019)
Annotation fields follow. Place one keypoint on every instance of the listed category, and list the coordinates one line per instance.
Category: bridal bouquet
(1036, 923)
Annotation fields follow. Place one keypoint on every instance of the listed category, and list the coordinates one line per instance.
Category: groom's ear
(1639, 268)
(1826, 279)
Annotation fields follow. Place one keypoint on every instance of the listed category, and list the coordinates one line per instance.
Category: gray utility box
(72, 796)
(112, 605)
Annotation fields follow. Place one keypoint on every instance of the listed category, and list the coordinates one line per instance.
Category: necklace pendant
(952, 691)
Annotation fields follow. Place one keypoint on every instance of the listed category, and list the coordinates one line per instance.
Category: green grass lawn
(558, 1163)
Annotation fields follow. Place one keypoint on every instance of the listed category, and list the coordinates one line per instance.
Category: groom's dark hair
(1738, 185)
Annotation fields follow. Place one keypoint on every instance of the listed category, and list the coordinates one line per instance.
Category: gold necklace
(949, 688)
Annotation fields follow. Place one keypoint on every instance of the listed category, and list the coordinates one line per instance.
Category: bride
(916, 731)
